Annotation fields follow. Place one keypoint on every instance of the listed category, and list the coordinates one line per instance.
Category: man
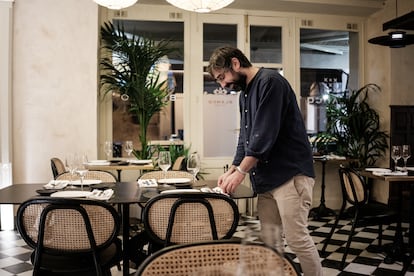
(273, 148)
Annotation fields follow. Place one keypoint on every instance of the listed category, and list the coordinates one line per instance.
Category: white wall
(54, 84)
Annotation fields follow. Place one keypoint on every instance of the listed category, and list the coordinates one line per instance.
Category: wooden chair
(72, 236)
(357, 206)
(58, 167)
(189, 217)
(215, 258)
(178, 164)
(169, 174)
(105, 176)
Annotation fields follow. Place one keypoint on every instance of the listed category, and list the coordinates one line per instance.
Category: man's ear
(235, 64)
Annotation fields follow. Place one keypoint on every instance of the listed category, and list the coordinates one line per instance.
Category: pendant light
(201, 6)
(397, 39)
(115, 4)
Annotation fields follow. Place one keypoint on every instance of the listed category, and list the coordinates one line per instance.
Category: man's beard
(240, 84)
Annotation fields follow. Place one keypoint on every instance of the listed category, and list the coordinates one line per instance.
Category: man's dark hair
(221, 58)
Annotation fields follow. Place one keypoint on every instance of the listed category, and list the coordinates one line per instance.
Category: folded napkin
(92, 163)
(56, 184)
(384, 173)
(147, 182)
(335, 157)
(101, 195)
(219, 191)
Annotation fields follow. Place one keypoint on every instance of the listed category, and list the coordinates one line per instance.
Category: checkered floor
(15, 254)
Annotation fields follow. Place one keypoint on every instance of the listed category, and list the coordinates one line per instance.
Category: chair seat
(372, 213)
(80, 262)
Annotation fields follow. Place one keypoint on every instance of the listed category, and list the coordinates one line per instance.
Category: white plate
(139, 162)
(174, 180)
(98, 161)
(180, 191)
(71, 194)
(86, 182)
(380, 170)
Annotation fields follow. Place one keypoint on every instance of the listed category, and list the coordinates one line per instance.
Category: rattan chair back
(190, 217)
(105, 176)
(169, 174)
(58, 167)
(70, 235)
(215, 258)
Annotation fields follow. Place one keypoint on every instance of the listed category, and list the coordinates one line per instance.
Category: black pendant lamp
(397, 39)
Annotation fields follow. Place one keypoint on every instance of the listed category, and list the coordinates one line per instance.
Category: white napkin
(101, 195)
(147, 182)
(335, 157)
(219, 191)
(382, 173)
(56, 184)
(96, 163)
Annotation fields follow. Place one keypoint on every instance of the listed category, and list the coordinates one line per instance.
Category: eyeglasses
(221, 76)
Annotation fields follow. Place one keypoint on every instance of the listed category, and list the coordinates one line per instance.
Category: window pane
(220, 107)
(324, 58)
(265, 44)
(216, 35)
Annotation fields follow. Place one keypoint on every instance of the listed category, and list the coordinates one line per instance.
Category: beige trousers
(289, 205)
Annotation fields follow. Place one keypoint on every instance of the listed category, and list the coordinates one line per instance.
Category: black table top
(124, 192)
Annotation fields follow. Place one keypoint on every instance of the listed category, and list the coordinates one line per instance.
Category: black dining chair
(58, 167)
(70, 236)
(189, 217)
(357, 206)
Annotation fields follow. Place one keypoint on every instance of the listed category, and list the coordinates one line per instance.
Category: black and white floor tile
(15, 254)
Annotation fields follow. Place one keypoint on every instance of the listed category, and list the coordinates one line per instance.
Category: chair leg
(348, 243)
(380, 235)
(328, 239)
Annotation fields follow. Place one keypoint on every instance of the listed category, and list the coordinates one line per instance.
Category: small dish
(47, 192)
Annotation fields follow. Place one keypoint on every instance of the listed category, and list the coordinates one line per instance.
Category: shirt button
(247, 142)
(246, 126)
(245, 95)
(245, 110)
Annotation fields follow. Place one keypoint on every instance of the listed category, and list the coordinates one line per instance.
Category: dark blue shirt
(273, 131)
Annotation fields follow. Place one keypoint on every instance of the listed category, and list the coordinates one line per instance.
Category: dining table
(399, 250)
(125, 194)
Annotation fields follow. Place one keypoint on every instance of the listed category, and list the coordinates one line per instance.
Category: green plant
(128, 68)
(356, 127)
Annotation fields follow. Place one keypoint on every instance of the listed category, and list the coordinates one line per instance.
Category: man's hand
(229, 181)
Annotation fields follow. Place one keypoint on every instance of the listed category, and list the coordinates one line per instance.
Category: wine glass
(406, 154)
(82, 168)
(129, 147)
(164, 161)
(193, 165)
(108, 149)
(395, 155)
(70, 164)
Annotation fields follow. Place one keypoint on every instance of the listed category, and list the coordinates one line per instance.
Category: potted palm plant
(355, 127)
(128, 66)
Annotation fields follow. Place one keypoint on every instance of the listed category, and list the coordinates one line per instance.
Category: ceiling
(336, 7)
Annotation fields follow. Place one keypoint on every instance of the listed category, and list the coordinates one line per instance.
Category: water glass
(396, 155)
(108, 147)
(406, 154)
(193, 165)
(164, 161)
(129, 147)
